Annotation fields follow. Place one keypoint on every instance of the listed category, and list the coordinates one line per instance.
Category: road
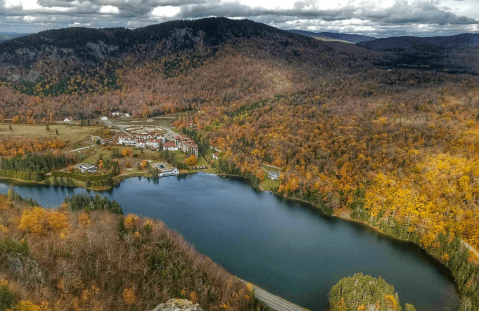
(78, 149)
(272, 166)
(472, 249)
(120, 127)
(274, 302)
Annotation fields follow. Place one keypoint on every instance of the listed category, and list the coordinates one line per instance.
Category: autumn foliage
(191, 160)
(81, 262)
(37, 220)
(14, 146)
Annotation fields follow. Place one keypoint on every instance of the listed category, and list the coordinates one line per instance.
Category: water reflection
(285, 246)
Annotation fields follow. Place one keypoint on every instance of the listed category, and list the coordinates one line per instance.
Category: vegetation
(87, 203)
(453, 54)
(13, 146)
(82, 260)
(363, 292)
(32, 166)
(397, 148)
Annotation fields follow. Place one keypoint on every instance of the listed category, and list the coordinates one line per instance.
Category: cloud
(381, 18)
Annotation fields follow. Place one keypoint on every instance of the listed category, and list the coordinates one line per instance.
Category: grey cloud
(420, 12)
(400, 13)
(402, 18)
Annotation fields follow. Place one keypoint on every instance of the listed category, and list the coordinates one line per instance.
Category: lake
(283, 246)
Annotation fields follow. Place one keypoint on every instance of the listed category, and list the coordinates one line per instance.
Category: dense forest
(363, 292)
(397, 149)
(453, 54)
(56, 259)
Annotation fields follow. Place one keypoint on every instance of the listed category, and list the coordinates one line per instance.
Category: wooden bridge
(274, 302)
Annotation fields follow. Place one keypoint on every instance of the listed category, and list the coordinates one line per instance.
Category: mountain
(456, 54)
(80, 61)
(4, 36)
(79, 50)
(95, 45)
(334, 36)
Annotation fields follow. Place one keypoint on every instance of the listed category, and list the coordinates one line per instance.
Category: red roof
(177, 137)
(169, 144)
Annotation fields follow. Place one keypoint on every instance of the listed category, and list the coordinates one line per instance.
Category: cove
(283, 246)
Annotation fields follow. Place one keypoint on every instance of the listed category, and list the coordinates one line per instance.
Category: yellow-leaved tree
(191, 160)
(129, 296)
(37, 220)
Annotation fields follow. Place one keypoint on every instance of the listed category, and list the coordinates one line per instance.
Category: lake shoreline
(307, 208)
(343, 215)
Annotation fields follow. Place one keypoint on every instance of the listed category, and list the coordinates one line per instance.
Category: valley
(383, 132)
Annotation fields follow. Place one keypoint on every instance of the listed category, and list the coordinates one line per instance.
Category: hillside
(92, 46)
(456, 54)
(56, 259)
(397, 149)
(75, 49)
(119, 69)
(334, 36)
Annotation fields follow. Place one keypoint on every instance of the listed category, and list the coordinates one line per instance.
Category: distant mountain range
(455, 54)
(334, 36)
(4, 36)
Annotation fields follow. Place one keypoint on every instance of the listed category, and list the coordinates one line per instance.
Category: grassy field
(72, 135)
(268, 184)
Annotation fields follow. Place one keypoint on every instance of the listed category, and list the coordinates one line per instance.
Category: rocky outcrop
(178, 305)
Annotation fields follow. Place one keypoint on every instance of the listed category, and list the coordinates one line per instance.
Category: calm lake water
(282, 246)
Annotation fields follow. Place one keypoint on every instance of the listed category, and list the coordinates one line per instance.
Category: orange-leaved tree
(191, 160)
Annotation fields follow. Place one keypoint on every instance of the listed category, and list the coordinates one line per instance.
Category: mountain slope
(332, 35)
(456, 54)
(80, 60)
(92, 46)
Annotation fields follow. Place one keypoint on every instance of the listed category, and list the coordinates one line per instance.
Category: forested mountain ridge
(92, 46)
(133, 70)
(457, 54)
(73, 49)
(353, 38)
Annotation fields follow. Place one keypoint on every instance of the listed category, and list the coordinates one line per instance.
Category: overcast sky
(380, 18)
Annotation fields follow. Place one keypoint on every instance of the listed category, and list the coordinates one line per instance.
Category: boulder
(178, 305)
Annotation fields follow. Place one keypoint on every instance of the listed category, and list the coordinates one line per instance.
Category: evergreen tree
(120, 229)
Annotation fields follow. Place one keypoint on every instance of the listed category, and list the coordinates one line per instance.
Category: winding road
(274, 302)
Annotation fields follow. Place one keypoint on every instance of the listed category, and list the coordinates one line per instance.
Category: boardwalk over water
(274, 302)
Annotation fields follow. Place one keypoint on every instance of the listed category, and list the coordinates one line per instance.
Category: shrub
(7, 298)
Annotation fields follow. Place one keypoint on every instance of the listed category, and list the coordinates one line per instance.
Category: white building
(85, 167)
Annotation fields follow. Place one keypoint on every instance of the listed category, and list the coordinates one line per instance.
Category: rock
(178, 305)
(26, 268)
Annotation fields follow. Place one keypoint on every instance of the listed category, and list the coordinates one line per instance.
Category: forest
(73, 258)
(363, 292)
(395, 148)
